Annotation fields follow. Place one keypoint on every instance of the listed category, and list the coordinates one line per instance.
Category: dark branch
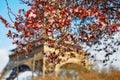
(10, 12)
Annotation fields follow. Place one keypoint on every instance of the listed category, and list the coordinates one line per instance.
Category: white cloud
(10, 47)
(4, 56)
(4, 59)
(27, 75)
(107, 46)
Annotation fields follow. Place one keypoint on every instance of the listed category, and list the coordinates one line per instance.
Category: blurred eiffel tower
(66, 53)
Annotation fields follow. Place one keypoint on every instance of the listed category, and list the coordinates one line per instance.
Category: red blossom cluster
(45, 16)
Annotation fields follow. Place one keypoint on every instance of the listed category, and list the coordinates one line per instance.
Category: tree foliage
(53, 19)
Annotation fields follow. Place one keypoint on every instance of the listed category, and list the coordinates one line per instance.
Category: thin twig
(10, 11)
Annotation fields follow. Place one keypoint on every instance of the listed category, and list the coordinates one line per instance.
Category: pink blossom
(32, 15)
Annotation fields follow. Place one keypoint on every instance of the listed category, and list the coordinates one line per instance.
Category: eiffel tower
(36, 61)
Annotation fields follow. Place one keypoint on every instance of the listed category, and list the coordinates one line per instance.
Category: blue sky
(6, 43)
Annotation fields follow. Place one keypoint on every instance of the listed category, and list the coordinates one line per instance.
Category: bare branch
(10, 11)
